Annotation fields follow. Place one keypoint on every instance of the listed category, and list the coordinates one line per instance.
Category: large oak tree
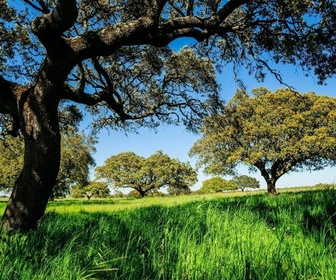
(273, 132)
(145, 175)
(113, 56)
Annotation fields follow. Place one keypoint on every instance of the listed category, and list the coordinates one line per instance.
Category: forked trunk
(271, 190)
(270, 179)
(39, 124)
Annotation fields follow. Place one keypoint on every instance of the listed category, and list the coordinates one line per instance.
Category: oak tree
(77, 151)
(273, 132)
(178, 190)
(217, 184)
(92, 189)
(246, 182)
(11, 162)
(115, 58)
(145, 175)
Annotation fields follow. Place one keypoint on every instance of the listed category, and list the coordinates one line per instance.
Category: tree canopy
(217, 184)
(92, 189)
(11, 161)
(129, 170)
(76, 161)
(273, 132)
(246, 182)
(115, 58)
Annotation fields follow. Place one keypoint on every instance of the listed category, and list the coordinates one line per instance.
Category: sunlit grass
(290, 236)
(116, 204)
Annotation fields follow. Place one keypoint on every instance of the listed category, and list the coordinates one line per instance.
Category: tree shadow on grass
(319, 216)
(313, 211)
(116, 245)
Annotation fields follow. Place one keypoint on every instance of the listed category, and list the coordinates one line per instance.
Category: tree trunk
(271, 190)
(269, 178)
(39, 125)
(142, 194)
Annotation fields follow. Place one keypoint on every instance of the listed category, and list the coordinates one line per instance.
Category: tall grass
(290, 236)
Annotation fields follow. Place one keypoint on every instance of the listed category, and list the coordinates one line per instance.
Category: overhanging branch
(58, 21)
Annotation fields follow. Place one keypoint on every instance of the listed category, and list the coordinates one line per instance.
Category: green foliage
(290, 236)
(93, 189)
(164, 82)
(275, 132)
(11, 161)
(76, 160)
(133, 194)
(128, 170)
(246, 182)
(178, 190)
(217, 184)
(13, 37)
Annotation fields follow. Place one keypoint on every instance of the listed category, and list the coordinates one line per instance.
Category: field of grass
(289, 236)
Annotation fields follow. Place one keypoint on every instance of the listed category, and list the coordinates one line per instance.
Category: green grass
(289, 236)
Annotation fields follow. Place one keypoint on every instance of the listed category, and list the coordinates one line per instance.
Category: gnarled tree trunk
(39, 124)
(271, 190)
(270, 179)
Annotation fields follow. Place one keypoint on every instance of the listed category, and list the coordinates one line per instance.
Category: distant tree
(118, 194)
(93, 189)
(273, 132)
(217, 184)
(133, 194)
(11, 161)
(246, 182)
(128, 170)
(76, 160)
(76, 191)
(178, 190)
(97, 189)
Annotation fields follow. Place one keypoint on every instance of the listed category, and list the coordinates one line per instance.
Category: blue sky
(176, 141)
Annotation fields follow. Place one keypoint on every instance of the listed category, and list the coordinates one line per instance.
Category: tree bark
(40, 128)
(271, 190)
(270, 179)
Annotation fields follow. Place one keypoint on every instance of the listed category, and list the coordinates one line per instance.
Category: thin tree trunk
(39, 124)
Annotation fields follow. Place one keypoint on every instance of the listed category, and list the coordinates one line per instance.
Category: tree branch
(146, 30)
(177, 9)
(94, 99)
(55, 23)
(81, 97)
(225, 11)
(43, 7)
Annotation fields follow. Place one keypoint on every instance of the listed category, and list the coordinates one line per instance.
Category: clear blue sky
(176, 141)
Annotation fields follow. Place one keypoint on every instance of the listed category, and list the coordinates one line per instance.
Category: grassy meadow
(289, 236)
